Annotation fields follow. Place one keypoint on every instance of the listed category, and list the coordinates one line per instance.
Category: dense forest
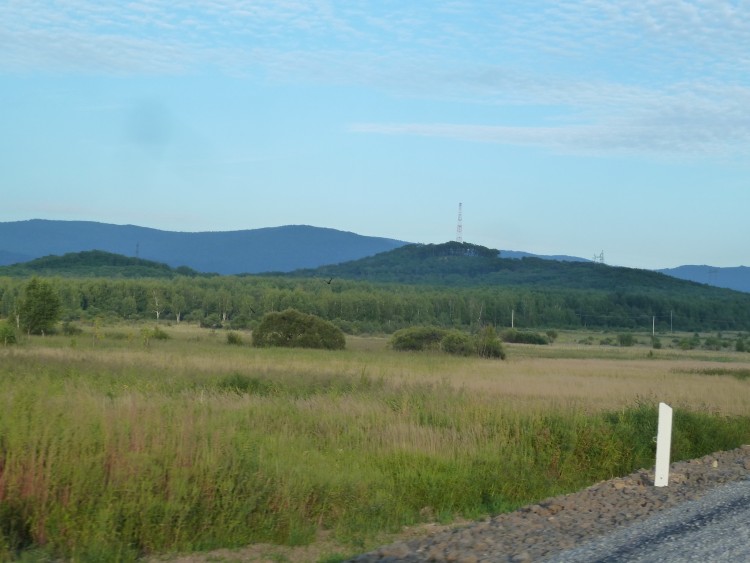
(451, 285)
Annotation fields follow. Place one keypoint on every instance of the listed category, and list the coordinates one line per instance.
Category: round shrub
(488, 344)
(293, 329)
(626, 339)
(159, 334)
(418, 338)
(523, 337)
(234, 338)
(212, 320)
(458, 343)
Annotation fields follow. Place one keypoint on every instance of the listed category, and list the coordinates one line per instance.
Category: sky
(583, 127)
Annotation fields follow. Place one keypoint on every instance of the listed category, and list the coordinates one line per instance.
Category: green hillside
(95, 263)
(469, 265)
(540, 292)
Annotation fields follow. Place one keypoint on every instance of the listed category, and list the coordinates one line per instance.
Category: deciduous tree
(40, 308)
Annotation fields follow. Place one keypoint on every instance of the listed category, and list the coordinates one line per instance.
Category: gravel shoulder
(540, 532)
(715, 527)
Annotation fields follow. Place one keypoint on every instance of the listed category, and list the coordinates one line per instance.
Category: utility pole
(459, 226)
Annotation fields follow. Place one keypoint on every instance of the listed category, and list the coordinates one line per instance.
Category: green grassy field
(113, 448)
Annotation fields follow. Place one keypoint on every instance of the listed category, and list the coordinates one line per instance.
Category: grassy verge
(115, 451)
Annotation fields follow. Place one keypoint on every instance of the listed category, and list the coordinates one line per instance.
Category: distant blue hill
(275, 249)
(737, 278)
(7, 257)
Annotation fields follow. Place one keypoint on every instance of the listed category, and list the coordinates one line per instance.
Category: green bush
(293, 329)
(149, 334)
(626, 339)
(234, 338)
(418, 338)
(712, 343)
(7, 334)
(457, 343)
(159, 334)
(690, 343)
(514, 336)
(489, 345)
(211, 321)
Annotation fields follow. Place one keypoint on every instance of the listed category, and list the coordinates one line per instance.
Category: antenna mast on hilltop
(459, 227)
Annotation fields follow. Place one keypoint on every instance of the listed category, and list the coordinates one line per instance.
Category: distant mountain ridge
(737, 278)
(273, 249)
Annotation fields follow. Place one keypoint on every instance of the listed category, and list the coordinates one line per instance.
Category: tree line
(365, 307)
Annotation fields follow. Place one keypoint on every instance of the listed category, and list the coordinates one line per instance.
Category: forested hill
(467, 265)
(227, 252)
(451, 285)
(95, 263)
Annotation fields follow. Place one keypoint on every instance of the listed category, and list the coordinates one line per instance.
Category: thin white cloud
(661, 76)
(671, 133)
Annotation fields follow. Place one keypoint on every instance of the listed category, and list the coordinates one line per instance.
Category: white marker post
(663, 445)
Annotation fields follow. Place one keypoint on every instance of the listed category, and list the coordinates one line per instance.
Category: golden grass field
(115, 449)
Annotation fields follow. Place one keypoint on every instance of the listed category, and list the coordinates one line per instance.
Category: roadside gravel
(543, 531)
(715, 527)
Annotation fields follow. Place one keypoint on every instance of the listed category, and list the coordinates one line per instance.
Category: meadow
(116, 446)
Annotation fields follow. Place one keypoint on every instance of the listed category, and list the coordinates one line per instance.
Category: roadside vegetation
(117, 443)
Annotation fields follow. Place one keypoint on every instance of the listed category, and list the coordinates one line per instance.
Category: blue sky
(562, 127)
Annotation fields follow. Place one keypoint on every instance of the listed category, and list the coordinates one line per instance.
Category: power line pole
(459, 227)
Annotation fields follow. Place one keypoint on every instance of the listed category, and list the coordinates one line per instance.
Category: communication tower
(459, 227)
